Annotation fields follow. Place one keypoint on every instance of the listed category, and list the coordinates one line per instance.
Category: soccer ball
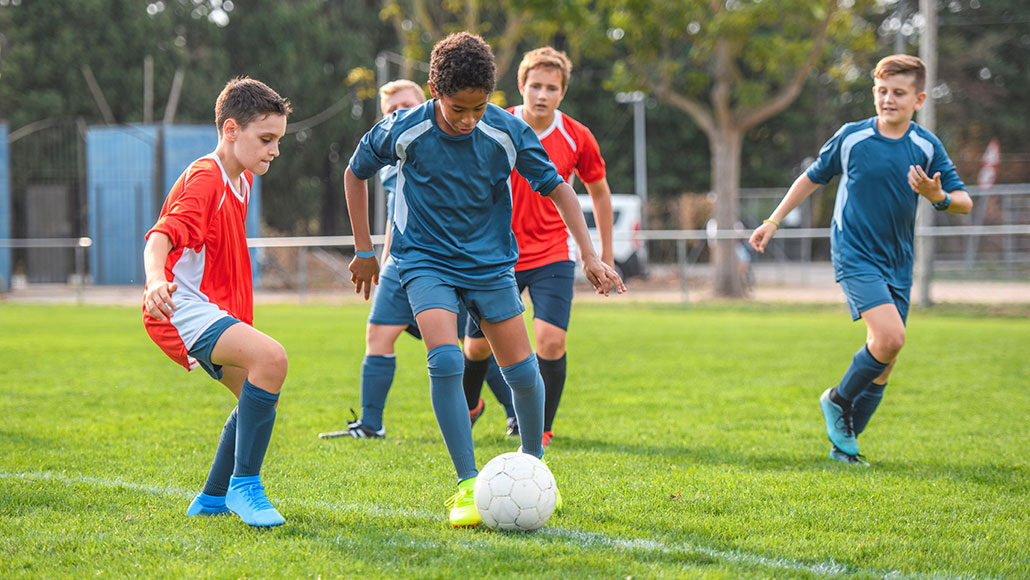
(515, 492)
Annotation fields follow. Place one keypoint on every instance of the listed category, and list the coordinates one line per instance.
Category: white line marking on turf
(580, 538)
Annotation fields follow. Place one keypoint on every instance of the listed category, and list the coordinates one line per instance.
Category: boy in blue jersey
(390, 314)
(452, 241)
(886, 163)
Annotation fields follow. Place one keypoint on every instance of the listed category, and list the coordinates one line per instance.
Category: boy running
(886, 163)
(199, 290)
(546, 254)
(452, 241)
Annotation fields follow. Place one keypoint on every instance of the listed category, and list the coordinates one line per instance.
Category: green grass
(689, 444)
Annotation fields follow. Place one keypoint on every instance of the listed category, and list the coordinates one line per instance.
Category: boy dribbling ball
(887, 163)
(452, 242)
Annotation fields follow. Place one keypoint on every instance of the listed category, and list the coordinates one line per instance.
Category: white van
(629, 252)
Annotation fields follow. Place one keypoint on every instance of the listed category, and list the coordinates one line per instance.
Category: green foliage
(689, 444)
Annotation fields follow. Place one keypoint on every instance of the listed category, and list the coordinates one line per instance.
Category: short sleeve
(532, 162)
(375, 150)
(950, 180)
(188, 216)
(590, 165)
(828, 164)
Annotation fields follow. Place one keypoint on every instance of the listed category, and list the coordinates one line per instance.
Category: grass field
(689, 444)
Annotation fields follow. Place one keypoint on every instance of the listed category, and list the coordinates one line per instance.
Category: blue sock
(527, 391)
(446, 365)
(225, 457)
(864, 368)
(256, 417)
(376, 378)
(501, 390)
(865, 405)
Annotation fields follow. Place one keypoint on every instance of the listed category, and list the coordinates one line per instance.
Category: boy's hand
(761, 236)
(603, 277)
(364, 272)
(157, 299)
(922, 184)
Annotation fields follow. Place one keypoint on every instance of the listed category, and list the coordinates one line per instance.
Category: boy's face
(896, 99)
(542, 91)
(458, 114)
(257, 144)
(402, 99)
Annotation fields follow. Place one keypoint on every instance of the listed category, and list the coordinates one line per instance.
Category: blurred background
(705, 112)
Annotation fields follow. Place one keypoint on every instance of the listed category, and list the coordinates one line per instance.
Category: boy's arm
(958, 201)
(157, 294)
(601, 275)
(799, 191)
(364, 271)
(601, 196)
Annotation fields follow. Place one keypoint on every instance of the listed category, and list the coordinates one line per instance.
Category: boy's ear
(920, 99)
(432, 90)
(230, 128)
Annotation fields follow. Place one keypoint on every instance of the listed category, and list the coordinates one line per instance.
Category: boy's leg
(518, 364)
(265, 361)
(211, 501)
(476, 352)
(500, 389)
(377, 372)
(551, 289)
(446, 365)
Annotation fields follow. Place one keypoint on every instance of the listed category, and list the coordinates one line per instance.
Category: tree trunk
(726, 147)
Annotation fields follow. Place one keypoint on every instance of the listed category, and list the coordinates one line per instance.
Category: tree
(730, 65)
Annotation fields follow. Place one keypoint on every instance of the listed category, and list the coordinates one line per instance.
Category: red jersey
(205, 218)
(539, 230)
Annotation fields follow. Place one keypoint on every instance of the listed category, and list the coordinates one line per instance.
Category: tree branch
(749, 118)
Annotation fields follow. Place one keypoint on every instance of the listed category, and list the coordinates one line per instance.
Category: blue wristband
(368, 254)
(944, 203)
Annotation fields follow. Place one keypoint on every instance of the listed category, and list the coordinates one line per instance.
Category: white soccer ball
(515, 492)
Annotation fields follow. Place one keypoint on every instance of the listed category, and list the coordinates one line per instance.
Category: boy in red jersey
(546, 253)
(198, 287)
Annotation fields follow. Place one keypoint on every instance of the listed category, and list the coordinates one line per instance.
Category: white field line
(575, 537)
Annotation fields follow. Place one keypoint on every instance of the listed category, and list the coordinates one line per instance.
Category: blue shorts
(390, 305)
(425, 292)
(202, 348)
(550, 290)
(865, 291)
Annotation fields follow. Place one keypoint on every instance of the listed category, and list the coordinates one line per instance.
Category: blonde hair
(546, 57)
(398, 86)
(902, 64)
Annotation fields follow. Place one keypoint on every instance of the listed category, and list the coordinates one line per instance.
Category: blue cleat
(839, 425)
(246, 498)
(838, 455)
(207, 505)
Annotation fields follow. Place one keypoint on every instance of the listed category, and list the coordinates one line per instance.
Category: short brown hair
(546, 57)
(902, 64)
(246, 99)
(462, 61)
(398, 86)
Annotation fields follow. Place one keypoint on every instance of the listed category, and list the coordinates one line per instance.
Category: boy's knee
(523, 375)
(273, 358)
(551, 347)
(477, 348)
(446, 360)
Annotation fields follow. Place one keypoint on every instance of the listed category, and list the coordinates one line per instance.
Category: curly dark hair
(462, 61)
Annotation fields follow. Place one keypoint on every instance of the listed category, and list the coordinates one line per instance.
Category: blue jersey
(388, 177)
(452, 200)
(874, 216)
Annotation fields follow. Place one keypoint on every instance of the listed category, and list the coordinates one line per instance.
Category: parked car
(629, 252)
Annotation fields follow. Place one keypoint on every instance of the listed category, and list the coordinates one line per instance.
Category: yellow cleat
(463, 507)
